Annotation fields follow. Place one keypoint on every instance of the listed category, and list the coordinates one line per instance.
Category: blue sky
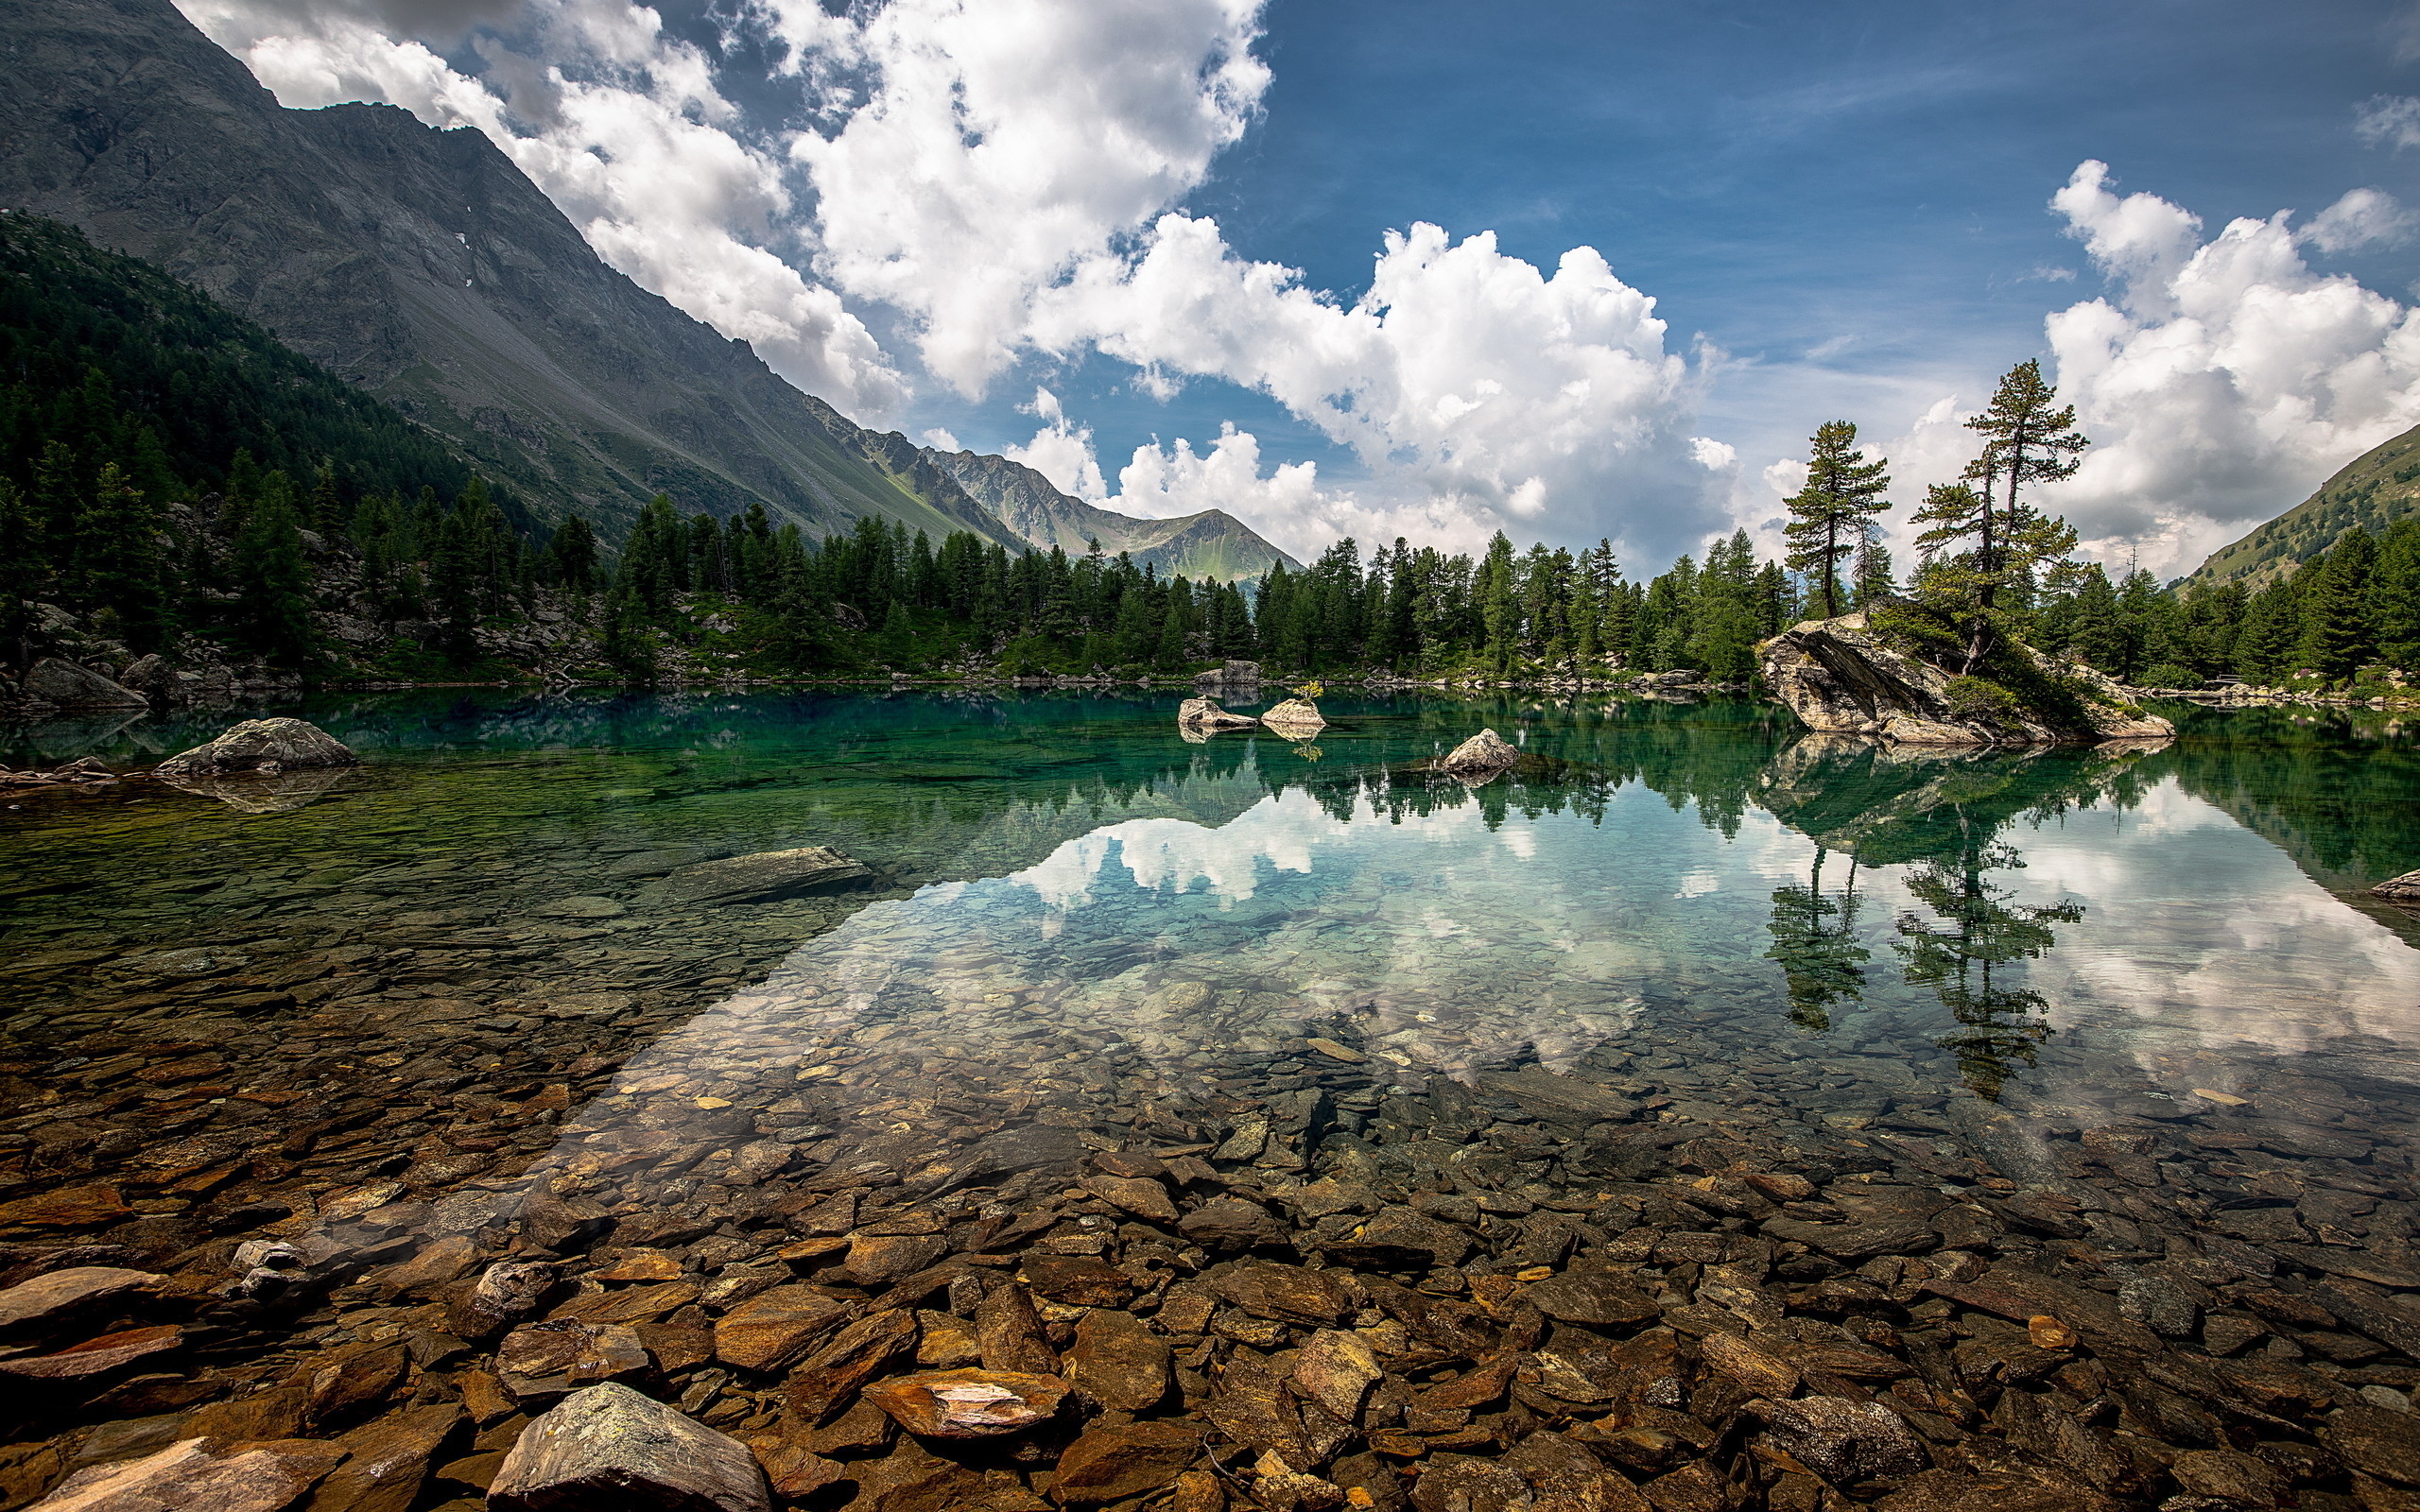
(1839, 211)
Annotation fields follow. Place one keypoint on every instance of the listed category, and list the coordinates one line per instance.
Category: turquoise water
(2043, 920)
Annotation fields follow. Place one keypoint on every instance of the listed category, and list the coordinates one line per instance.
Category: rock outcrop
(1204, 713)
(69, 686)
(760, 878)
(1230, 675)
(267, 746)
(1841, 677)
(1484, 755)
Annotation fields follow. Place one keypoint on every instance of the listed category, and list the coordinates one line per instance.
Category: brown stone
(506, 1294)
(1079, 1280)
(1736, 1359)
(1400, 1238)
(824, 1383)
(1117, 1362)
(1231, 1222)
(945, 1341)
(878, 1259)
(47, 1298)
(1011, 1334)
(2376, 1441)
(350, 1378)
(388, 1461)
(1336, 1371)
(643, 1265)
(1292, 1294)
(183, 1478)
(1113, 1464)
(609, 1447)
(968, 1403)
(1845, 1442)
(1592, 1300)
(560, 1355)
(795, 1473)
(773, 1330)
(90, 1207)
(436, 1265)
(1146, 1199)
(96, 1356)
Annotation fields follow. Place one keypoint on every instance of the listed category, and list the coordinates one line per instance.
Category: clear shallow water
(1694, 905)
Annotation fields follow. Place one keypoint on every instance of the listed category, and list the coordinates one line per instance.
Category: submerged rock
(1204, 713)
(269, 746)
(763, 877)
(610, 1446)
(1838, 676)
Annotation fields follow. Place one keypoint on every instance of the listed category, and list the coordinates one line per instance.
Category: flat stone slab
(760, 878)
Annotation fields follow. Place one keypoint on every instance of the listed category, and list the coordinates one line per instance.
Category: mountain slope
(422, 266)
(2375, 490)
(1211, 544)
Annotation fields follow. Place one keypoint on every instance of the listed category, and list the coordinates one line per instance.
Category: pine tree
(2097, 635)
(2336, 637)
(1498, 611)
(117, 561)
(273, 580)
(2394, 594)
(1828, 515)
(22, 572)
(572, 554)
(2028, 441)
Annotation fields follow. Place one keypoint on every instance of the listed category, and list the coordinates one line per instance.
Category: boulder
(1841, 677)
(1204, 713)
(1295, 717)
(70, 686)
(150, 676)
(763, 877)
(47, 1299)
(608, 1446)
(269, 746)
(2403, 889)
(1845, 1442)
(1230, 675)
(185, 1477)
(1484, 754)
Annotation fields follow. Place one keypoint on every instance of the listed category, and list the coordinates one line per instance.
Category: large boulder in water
(1204, 713)
(1841, 677)
(269, 745)
(2404, 889)
(1296, 718)
(70, 686)
(1482, 755)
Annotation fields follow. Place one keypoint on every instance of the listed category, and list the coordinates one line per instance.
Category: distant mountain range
(425, 267)
(2373, 491)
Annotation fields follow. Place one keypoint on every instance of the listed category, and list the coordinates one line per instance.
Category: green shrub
(2170, 675)
(1982, 699)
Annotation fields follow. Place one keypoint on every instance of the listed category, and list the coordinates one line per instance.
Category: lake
(2127, 1001)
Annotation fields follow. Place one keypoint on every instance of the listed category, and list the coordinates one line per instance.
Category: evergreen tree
(117, 561)
(2336, 635)
(273, 580)
(2394, 594)
(2027, 440)
(572, 554)
(1829, 515)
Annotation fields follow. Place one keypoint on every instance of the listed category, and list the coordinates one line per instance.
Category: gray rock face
(1484, 754)
(1230, 675)
(70, 686)
(425, 266)
(1839, 677)
(1204, 713)
(269, 746)
(608, 1446)
(760, 878)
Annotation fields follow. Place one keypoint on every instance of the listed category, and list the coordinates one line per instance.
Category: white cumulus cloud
(2364, 217)
(2225, 379)
(622, 127)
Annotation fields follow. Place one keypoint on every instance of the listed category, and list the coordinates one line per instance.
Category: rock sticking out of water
(1204, 713)
(1841, 677)
(1484, 755)
(2403, 889)
(1296, 718)
(267, 746)
(69, 686)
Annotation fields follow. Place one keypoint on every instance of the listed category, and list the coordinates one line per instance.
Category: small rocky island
(1879, 674)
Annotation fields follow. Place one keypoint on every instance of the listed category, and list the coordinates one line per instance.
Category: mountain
(1211, 544)
(2375, 490)
(425, 267)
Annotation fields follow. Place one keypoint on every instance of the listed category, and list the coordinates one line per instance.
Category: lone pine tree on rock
(1828, 516)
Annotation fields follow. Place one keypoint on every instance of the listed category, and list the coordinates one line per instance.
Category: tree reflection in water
(1983, 932)
(1815, 941)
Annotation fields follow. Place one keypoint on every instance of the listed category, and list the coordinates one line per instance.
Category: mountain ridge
(1208, 544)
(2373, 490)
(423, 266)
